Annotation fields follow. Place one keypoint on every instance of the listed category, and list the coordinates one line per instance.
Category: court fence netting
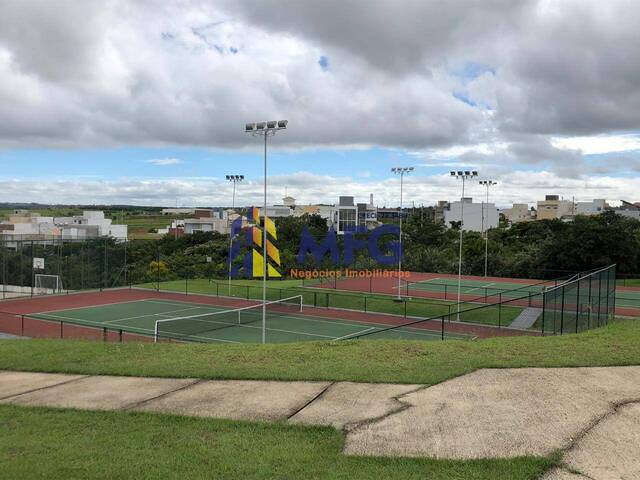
(583, 302)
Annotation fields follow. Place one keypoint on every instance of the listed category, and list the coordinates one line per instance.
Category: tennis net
(196, 327)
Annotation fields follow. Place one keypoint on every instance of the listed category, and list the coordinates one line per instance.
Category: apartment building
(477, 216)
(34, 227)
(553, 207)
(594, 207)
(519, 212)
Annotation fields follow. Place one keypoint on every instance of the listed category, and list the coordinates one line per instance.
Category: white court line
(89, 306)
(480, 287)
(418, 282)
(149, 315)
(132, 329)
(259, 327)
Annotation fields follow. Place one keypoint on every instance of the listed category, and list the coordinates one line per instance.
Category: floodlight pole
(235, 179)
(265, 129)
(464, 176)
(400, 171)
(485, 232)
(264, 247)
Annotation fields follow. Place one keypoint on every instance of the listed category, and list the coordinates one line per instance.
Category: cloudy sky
(144, 102)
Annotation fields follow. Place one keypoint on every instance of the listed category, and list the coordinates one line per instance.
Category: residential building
(477, 216)
(34, 227)
(438, 212)
(629, 210)
(177, 211)
(346, 215)
(519, 212)
(193, 225)
(327, 212)
(594, 207)
(388, 213)
(553, 207)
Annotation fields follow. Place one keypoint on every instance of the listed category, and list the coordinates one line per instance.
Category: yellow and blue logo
(251, 248)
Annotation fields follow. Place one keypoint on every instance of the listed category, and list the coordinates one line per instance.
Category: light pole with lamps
(485, 232)
(234, 179)
(464, 176)
(265, 129)
(401, 171)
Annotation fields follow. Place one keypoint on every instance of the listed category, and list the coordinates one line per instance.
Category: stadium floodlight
(249, 127)
(234, 179)
(464, 176)
(402, 171)
(487, 184)
(265, 129)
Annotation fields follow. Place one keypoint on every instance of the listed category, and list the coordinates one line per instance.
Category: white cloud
(164, 161)
(598, 144)
(305, 187)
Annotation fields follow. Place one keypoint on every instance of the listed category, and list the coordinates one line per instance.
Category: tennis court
(188, 321)
(475, 287)
(628, 297)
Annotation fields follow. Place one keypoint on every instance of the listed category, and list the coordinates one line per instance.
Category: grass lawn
(358, 360)
(71, 444)
(277, 289)
(628, 282)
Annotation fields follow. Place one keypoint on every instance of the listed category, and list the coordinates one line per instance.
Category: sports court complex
(313, 312)
(149, 315)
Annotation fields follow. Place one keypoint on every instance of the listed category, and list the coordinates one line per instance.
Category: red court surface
(15, 315)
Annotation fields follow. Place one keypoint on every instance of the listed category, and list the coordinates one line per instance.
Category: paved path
(591, 414)
(527, 318)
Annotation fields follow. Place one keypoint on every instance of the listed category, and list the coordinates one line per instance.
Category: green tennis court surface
(628, 298)
(141, 316)
(475, 287)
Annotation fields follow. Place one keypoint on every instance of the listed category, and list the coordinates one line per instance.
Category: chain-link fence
(580, 304)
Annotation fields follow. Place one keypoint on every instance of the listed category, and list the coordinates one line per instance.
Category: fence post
(562, 312)
(22, 325)
(120, 335)
(365, 303)
(578, 309)
(614, 294)
(61, 329)
(186, 286)
(405, 308)
(248, 290)
(589, 309)
(544, 308)
(104, 334)
(442, 329)
(599, 299)
(499, 315)
(445, 293)
(315, 299)
(608, 293)
(157, 268)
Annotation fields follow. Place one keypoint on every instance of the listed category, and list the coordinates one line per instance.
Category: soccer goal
(47, 284)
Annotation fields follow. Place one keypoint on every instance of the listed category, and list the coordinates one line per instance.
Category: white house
(477, 216)
(594, 207)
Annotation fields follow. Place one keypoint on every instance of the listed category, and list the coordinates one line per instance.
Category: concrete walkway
(527, 318)
(591, 414)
